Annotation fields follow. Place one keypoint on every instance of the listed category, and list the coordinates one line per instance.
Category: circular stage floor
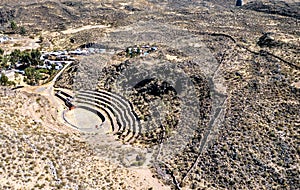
(85, 119)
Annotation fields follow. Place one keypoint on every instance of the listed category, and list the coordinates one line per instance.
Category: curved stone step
(121, 130)
(124, 105)
(130, 135)
(115, 111)
(120, 98)
(100, 107)
(117, 96)
(111, 102)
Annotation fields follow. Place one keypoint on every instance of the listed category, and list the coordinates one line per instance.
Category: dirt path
(47, 91)
(87, 27)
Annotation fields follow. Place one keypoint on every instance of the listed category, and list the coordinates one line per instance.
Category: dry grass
(36, 156)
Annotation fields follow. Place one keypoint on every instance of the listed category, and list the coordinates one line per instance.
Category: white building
(4, 39)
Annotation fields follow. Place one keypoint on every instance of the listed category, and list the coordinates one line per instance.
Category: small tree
(4, 61)
(15, 56)
(25, 57)
(41, 39)
(32, 75)
(13, 25)
(22, 31)
(30, 72)
(3, 79)
(35, 57)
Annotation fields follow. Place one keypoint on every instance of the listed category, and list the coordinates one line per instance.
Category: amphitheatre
(152, 95)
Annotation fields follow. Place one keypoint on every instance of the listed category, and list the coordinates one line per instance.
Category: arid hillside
(38, 152)
(224, 82)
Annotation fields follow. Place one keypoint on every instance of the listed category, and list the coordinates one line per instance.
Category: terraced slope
(127, 125)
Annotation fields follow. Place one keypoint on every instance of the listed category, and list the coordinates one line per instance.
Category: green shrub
(13, 25)
(22, 31)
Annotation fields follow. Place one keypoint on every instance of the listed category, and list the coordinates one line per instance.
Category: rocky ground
(251, 87)
(66, 79)
(38, 152)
